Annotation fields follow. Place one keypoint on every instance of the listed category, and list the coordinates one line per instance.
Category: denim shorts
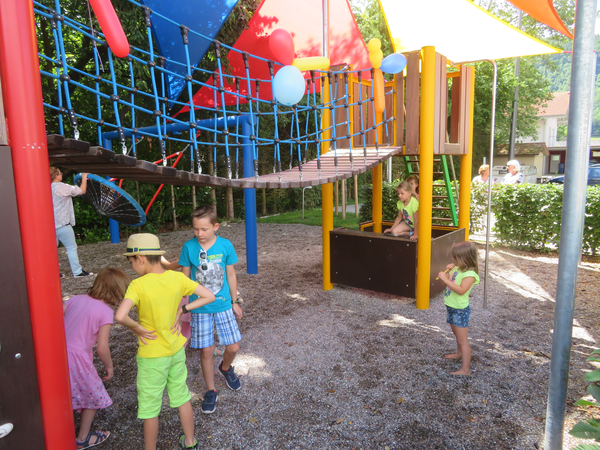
(458, 317)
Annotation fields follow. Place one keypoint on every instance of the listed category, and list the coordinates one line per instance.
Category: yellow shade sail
(458, 29)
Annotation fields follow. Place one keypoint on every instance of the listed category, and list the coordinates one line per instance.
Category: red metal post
(22, 91)
(179, 155)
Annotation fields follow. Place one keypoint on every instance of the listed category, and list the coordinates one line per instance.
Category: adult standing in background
(484, 174)
(64, 216)
(514, 175)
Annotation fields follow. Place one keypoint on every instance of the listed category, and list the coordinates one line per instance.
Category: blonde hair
(484, 168)
(465, 256)
(404, 186)
(110, 286)
(414, 178)
(54, 172)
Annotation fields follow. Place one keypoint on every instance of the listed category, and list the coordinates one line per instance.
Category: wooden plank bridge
(82, 157)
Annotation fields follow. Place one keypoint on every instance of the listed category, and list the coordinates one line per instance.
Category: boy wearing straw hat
(161, 356)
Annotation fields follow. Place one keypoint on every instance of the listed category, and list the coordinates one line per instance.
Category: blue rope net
(126, 100)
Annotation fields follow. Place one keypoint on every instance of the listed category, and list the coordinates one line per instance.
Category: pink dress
(84, 316)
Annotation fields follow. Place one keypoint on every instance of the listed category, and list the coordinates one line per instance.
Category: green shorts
(154, 374)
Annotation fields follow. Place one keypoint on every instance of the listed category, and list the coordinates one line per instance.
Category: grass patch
(313, 217)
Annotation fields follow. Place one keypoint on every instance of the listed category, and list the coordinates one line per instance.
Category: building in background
(548, 152)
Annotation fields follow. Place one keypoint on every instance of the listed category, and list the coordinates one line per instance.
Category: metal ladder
(412, 163)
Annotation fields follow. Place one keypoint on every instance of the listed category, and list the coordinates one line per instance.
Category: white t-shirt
(63, 203)
(509, 178)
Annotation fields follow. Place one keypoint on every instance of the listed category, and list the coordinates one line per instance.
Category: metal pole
(578, 151)
(249, 200)
(489, 206)
(513, 127)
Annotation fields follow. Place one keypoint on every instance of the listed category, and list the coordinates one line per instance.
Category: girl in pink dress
(88, 319)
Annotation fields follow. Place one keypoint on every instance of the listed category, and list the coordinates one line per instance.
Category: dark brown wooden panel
(19, 394)
(374, 261)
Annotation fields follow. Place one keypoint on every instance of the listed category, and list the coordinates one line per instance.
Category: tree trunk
(194, 196)
(264, 201)
(211, 171)
(343, 199)
(336, 197)
(229, 198)
(356, 194)
(174, 210)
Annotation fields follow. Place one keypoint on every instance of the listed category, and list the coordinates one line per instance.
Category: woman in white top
(514, 175)
(64, 216)
(484, 174)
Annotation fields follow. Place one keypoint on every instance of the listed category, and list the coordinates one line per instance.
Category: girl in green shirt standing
(459, 282)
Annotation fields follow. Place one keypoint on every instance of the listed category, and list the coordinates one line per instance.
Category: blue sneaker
(232, 380)
(210, 402)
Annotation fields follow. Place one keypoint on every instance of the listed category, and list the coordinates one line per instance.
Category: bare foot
(461, 372)
(454, 356)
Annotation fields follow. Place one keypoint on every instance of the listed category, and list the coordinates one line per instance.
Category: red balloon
(111, 27)
(282, 46)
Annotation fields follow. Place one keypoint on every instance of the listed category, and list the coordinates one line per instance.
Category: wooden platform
(80, 156)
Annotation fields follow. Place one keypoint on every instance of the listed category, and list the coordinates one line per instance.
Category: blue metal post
(113, 224)
(249, 201)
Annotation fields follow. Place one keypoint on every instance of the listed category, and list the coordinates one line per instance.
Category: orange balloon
(378, 91)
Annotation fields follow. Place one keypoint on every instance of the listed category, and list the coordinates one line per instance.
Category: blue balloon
(393, 63)
(288, 85)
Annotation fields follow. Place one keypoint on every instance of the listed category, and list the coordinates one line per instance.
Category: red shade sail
(304, 21)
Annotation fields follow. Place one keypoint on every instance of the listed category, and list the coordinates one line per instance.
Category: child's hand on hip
(144, 334)
(176, 328)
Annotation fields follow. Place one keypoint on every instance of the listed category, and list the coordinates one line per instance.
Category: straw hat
(143, 244)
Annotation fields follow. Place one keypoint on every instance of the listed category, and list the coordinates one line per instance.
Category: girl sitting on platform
(414, 182)
(408, 213)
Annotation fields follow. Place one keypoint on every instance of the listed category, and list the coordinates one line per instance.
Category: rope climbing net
(136, 99)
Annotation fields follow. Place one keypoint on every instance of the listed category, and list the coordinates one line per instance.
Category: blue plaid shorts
(458, 317)
(203, 326)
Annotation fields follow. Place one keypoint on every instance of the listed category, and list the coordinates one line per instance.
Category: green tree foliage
(371, 23)
(557, 69)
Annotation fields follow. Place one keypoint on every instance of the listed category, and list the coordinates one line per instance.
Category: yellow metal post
(466, 166)
(326, 192)
(377, 183)
(426, 122)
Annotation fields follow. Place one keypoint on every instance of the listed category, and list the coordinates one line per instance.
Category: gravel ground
(356, 369)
